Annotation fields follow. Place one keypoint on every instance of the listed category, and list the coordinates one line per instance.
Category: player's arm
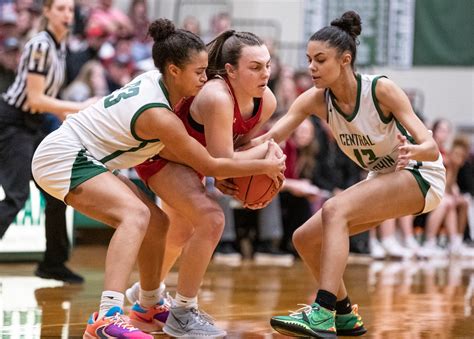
(310, 102)
(215, 106)
(160, 123)
(40, 102)
(392, 100)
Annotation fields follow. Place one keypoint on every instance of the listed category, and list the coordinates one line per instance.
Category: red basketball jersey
(240, 127)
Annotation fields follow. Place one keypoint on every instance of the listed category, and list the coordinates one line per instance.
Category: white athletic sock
(149, 298)
(185, 301)
(108, 300)
(133, 293)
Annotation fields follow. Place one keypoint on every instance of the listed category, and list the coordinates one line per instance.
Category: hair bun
(349, 22)
(160, 29)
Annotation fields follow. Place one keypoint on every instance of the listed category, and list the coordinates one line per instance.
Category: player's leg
(307, 240)
(197, 222)
(383, 197)
(108, 199)
(359, 208)
(151, 312)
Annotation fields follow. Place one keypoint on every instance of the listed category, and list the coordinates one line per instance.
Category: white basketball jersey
(107, 128)
(367, 136)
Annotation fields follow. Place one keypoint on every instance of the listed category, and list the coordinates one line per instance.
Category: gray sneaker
(186, 322)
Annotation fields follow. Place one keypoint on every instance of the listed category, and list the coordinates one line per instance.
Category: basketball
(256, 189)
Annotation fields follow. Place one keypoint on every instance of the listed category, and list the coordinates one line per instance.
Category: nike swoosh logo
(100, 332)
(181, 323)
(310, 323)
(111, 298)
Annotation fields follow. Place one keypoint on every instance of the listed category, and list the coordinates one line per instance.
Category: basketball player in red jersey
(226, 114)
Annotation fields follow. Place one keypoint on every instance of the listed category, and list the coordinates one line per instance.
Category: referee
(40, 75)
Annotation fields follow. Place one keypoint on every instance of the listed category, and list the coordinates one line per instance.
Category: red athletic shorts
(152, 166)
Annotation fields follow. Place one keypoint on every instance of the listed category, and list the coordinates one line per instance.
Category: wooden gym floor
(415, 299)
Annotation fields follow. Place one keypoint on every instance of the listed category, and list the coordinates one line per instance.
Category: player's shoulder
(312, 96)
(269, 95)
(384, 87)
(312, 101)
(214, 92)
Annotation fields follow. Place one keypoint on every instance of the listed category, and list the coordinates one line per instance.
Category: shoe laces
(167, 300)
(202, 317)
(355, 310)
(119, 321)
(304, 309)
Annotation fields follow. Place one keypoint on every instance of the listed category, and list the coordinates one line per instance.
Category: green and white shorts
(431, 179)
(61, 163)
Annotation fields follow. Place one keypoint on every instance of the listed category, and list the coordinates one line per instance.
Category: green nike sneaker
(309, 321)
(350, 324)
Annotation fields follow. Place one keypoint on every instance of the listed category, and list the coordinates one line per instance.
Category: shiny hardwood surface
(415, 299)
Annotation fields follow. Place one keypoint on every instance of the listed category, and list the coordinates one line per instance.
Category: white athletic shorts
(61, 163)
(431, 178)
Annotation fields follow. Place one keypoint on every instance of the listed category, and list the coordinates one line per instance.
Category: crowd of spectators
(109, 47)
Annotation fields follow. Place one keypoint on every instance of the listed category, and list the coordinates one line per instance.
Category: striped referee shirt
(41, 55)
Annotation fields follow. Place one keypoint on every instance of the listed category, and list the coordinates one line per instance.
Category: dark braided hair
(172, 45)
(342, 34)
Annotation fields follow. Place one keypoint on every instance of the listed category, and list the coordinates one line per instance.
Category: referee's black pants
(17, 145)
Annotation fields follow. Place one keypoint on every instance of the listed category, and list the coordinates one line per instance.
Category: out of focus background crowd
(109, 46)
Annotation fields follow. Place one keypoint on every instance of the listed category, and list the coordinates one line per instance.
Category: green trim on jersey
(356, 108)
(404, 132)
(165, 91)
(384, 119)
(140, 111)
(83, 169)
(422, 183)
(120, 152)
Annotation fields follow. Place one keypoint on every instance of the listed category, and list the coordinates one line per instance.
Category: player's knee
(213, 223)
(180, 239)
(301, 241)
(298, 239)
(212, 215)
(332, 211)
(464, 202)
(138, 217)
(159, 220)
(449, 202)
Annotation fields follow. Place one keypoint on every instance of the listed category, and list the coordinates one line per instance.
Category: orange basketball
(256, 189)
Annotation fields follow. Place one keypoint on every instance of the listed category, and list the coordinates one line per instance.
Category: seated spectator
(28, 21)
(8, 20)
(111, 18)
(298, 191)
(119, 71)
(96, 36)
(220, 22)
(141, 44)
(90, 82)
(389, 245)
(303, 81)
(457, 157)
(452, 211)
(285, 90)
(9, 58)
(333, 171)
(192, 24)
